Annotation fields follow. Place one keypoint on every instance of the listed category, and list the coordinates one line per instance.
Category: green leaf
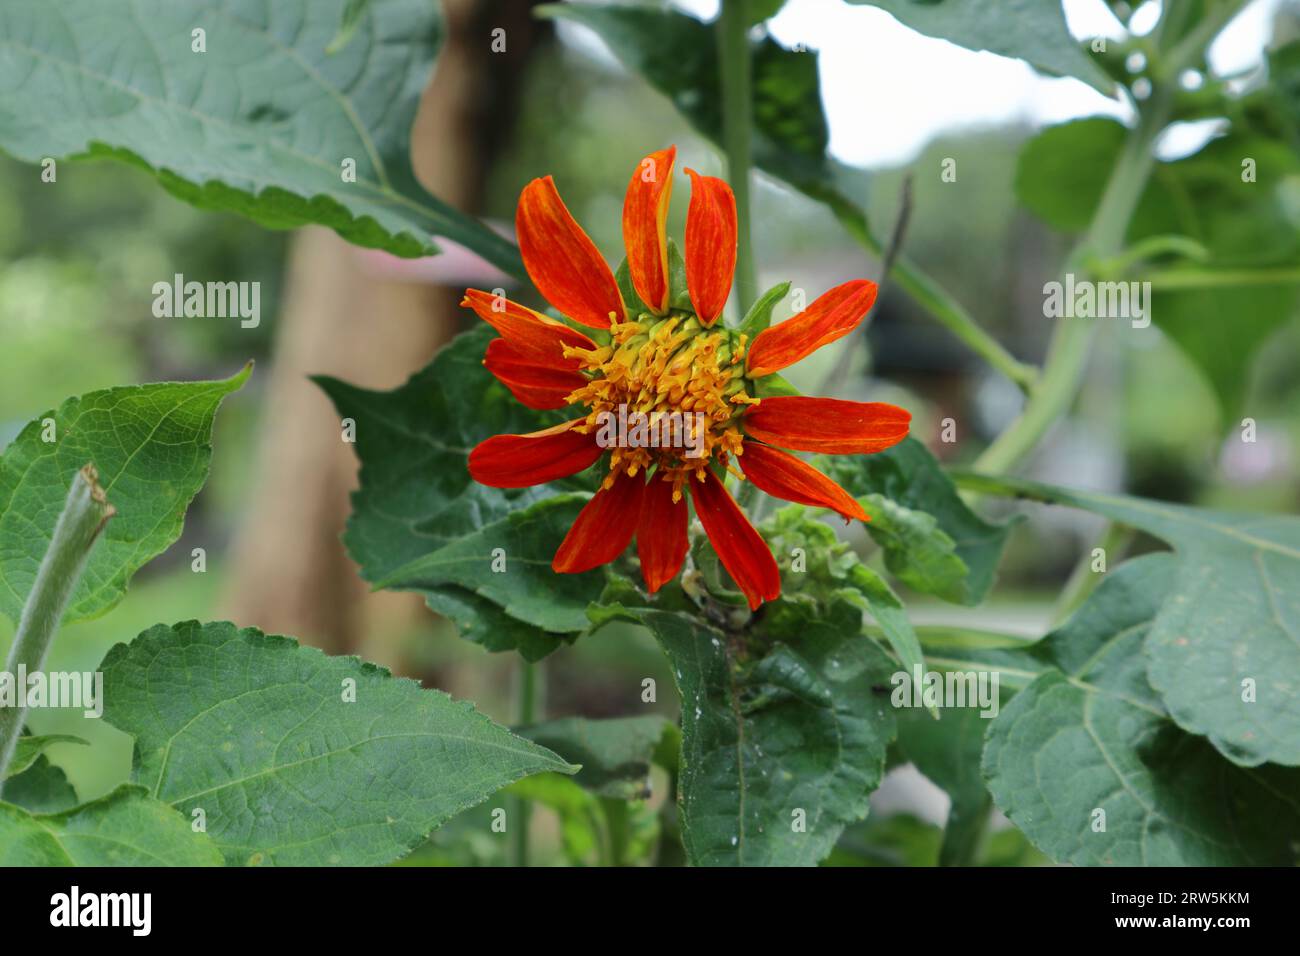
(615, 754)
(353, 14)
(41, 788)
(260, 124)
(1031, 30)
(1090, 734)
(760, 10)
(759, 316)
(909, 476)
(787, 721)
(152, 446)
(289, 769)
(582, 823)
(1233, 614)
(126, 828)
(508, 562)
(790, 132)
(917, 551)
(948, 752)
(30, 748)
(416, 495)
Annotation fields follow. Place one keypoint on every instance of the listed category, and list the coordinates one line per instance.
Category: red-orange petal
(785, 476)
(834, 314)
(710, 245)
(539, 336)
(661, 535)
(517, 461)
(828, 425)
(603, 528)
(536, 384)
(741, 549)
(561, 259)
(645, 211)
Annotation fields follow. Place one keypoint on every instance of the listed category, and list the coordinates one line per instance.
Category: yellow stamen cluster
(662, 365)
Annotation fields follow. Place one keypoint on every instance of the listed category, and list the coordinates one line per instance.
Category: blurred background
(78, 261)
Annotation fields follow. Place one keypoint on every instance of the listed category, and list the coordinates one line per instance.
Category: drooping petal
(834, 314)
(539, 385)
(517, 461)
(561, 259)
(741, 549)
(710, 245)
(828, 425)
(785, 476)
(603, 528)
(645, 210)
(539, 336)
(661, 535)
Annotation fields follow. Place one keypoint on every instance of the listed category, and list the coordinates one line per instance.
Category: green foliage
(41, 788)
(1030, 30)
(417, 498)
(344, 763)
(921, 552)
(126, 828)
(783, 733)
(31, 748)
(615, 754)
(151, 445)
(1091, 735)
(121, 79)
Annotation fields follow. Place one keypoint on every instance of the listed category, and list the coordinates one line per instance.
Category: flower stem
(526, 691)
(84, 515)
(737, 119)
(1114, 540)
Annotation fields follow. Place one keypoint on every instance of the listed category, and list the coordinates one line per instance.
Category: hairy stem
(84, 514)
(526, 692)
(737, 118)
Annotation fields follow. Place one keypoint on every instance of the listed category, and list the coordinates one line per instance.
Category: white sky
(888, 90)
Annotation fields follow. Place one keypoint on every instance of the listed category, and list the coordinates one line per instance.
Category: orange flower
(664, 360)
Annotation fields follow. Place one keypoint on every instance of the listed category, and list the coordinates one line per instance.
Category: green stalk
(84, 514)
(737, 119)
(1083, 580)
(525, 713)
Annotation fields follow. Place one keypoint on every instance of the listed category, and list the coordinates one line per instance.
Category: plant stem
(84, 515)
(737, 119)
(1083, 580)
(1067, 354)
(526, 692)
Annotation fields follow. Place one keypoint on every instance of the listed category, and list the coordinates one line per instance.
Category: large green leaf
(781, 729)
(41, 788)
(1030, 30)
(1232, 616)
(1091, 735)
(297, 758)
(917, 550)
(126, 828)
(790, 130)
(417, 497)
(259, 124)
(152, 446)
(1245, 228)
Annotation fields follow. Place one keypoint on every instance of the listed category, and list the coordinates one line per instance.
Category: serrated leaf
(260, 123)
(1232, 614)
(917, 551)
(30, 748)
(519, 580)
(259, 733)
(615, 753)
(126, 828)
(416, 494)
(909, 475)
(151, 445)
(793, 726)
(1031, 30)
(1091, 735)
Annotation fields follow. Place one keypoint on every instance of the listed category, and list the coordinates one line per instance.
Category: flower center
(667, 370)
